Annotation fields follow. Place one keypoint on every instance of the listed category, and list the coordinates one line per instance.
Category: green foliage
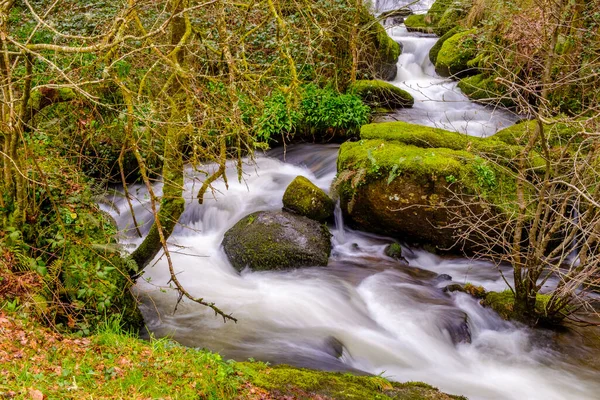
(318, 110)
(70, 244)
(486, 177)
(278, 118)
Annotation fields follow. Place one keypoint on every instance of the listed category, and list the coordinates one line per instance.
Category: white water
(438, 101)
(389, 318)
(382, 316)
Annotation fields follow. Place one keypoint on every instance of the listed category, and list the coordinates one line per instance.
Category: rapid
(364, 312)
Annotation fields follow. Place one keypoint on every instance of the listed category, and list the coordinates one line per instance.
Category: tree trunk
(172, 203)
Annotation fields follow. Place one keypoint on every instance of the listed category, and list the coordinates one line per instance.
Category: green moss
(304, 198)
(455, 54)
(394, 149)
(449, 20)
(379, 52)
(427, 137)
(305, 384)
(504, 303)
(277, 240)
(484, 89)
(394, 250)
(433, 53)
(438, 9)
(474, 290)
(418, 23)
(558, 134)
(378, 93)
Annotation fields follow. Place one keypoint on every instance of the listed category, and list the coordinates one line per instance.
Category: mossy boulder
(380, 94)
(276, 240)
(455, 54)
(304, 198)
(484, 89)
(450, 17)
(503, 303)
(418, 23)
(379, 52)
(433, 52)
(558, 134)
(403, 180)
(442, 16)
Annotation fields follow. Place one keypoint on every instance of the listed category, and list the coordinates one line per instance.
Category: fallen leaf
(35, 394)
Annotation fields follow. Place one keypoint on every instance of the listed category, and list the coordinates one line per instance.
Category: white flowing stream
(364, 312)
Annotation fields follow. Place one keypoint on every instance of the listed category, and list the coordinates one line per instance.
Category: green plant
(486, 177)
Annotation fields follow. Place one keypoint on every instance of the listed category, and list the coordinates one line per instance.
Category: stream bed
(364, 312)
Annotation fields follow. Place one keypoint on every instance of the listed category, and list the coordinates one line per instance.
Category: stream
(364, 312)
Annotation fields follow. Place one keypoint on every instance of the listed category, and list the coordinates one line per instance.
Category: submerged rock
(304, 198)
(275, 240)
(394, 251)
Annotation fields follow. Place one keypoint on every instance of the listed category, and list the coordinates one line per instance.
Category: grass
(36, 362)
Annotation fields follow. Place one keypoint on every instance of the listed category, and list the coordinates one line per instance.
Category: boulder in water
(402, 180)
(305, 198)
(276, 240)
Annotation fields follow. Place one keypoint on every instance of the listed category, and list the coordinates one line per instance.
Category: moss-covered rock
(418, 23)
(400, 179)
(305, 198)
(558, 134)
(453, 12)
(380, 94)
(388, 51)
(485, 89)
(503, 303)
(394, 250)
(455, 54)
(307, 384)
(277, 240)
(433, 52)
(443, 16)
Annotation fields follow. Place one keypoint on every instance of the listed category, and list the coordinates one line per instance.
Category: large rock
(379, 52)
(458, 54)
(403, 180)
(380, 94)
(304, 198)
(275, 240)
(435, 49)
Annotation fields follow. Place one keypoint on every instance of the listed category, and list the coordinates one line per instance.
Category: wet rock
(394, 251)
(454, 287)
(403, 180)
(334, 346)
(277, 240)
(444, 277)
(457, 327)
(305, 198)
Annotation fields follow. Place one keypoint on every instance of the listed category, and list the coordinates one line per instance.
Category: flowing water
(364, 312)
